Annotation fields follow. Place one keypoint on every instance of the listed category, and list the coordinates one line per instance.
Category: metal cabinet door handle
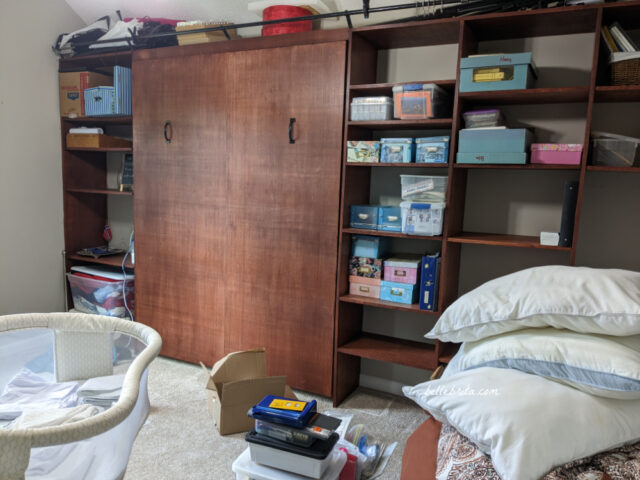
(168, 131)
(291, 122)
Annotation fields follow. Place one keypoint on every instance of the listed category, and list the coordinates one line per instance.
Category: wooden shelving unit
(351, 342)
(84, 175)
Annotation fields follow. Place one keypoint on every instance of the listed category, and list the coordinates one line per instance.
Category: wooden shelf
(412, 34)
(401, 165)
(394, 350)
(529, 96)
(111, 260)
(376, 302)
(528, 166)
(447, 351)
(534, 23)
(381, 233)
(604, 168)
(126, 120)
(97, 60)
(404, 124)
(107, 149)
(502, 240)
(378, 89)
(618, 93)
(98, 191)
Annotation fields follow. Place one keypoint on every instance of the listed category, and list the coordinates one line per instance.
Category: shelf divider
(376, 302)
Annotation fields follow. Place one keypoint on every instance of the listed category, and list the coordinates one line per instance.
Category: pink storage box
(402, 270)
(556, 153)
(365, 287)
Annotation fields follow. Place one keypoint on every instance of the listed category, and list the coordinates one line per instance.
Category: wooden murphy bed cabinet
(237, 157)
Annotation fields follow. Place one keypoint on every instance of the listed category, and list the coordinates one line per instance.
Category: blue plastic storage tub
(396, 150)
(364, 216)
(432, 150)
(508, 140)
(390, 219)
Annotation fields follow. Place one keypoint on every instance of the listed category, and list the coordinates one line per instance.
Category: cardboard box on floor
(236, 383)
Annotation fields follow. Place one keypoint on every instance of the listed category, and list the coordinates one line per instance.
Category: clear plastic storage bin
(101, 297)
(615, 150)
(424, 188)
(420, 101)
(422, 218)
(371, 108)
(483, 118)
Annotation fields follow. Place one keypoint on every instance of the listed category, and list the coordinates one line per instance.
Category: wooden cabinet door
(236, 228)
(283, 204)
(180, 198)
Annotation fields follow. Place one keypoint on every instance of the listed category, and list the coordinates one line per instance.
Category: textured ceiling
(215, 10)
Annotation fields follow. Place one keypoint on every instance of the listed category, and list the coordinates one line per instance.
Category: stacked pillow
(577, 326)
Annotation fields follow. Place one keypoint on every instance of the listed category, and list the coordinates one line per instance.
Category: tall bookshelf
(85, 172)
(471, 35)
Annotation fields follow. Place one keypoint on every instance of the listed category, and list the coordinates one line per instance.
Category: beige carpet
(180, 441)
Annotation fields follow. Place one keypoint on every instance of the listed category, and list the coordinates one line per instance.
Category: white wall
(31, 221)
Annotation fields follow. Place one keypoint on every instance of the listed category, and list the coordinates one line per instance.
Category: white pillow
(528, 424)
(586, 300)
(597, 364)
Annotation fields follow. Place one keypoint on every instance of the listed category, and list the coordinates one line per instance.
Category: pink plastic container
(365, 287)
(556, 153)
(402, 270)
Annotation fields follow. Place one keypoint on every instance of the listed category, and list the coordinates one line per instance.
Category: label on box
(419, 187)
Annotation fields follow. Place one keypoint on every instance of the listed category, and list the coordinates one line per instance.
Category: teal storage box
(496, 140)
(506, 71)
(399, 292)
(371, 247)
(364, 216)
(432, 150)
(390, 219)
(506, 158)
(396, 150)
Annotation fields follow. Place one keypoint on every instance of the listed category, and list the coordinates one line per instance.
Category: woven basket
(625, 68)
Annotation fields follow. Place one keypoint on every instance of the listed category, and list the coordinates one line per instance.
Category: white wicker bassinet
(75, 346)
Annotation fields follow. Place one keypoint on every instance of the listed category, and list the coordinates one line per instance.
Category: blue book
(285, 411)
(430, 272)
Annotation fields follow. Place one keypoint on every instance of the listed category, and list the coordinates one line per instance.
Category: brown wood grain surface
(236, 228)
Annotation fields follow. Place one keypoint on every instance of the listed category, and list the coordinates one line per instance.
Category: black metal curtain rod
(464, 7)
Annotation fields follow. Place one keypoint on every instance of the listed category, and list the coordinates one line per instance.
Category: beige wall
(31, 231)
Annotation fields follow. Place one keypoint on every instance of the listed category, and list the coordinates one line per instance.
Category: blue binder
(430, 273)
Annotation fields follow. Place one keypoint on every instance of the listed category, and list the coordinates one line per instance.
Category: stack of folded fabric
(28, 391)
(547, 377)
(101, 391)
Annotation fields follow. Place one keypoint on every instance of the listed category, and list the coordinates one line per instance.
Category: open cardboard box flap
(237, 382)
